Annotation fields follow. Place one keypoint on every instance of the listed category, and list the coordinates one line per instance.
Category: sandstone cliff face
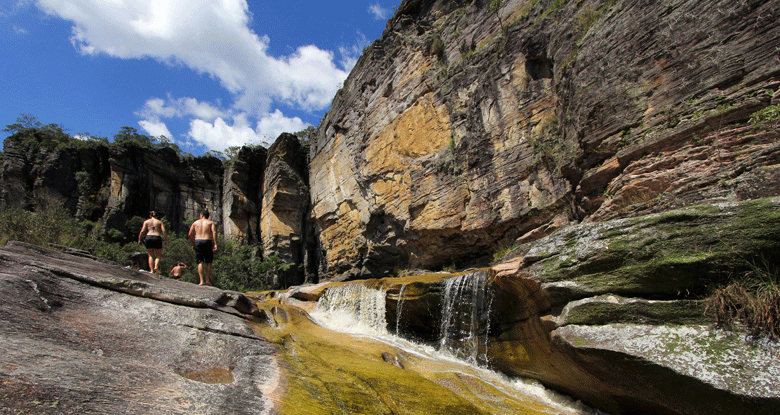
(34, 178)
(242, 189)
(143, 180)
(462, 130)
(285, 206)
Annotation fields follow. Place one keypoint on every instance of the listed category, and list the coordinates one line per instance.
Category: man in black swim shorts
(203, 238)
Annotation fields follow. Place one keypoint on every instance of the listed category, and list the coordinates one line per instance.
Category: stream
(341, 358)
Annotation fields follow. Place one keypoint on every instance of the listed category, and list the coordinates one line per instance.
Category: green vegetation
(32, 136)
(495, 7)
(751, 300)
(503, 251)
(767, 114)
(240, 267)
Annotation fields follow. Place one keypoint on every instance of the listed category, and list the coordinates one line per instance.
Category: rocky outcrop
(82, 336)
(464, 129)
(71, 177)
(285, 206)
(242, 189)
(146, 179)
(611, 313)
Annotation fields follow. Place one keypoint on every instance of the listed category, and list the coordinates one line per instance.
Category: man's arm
(213, 236)
(191, 234)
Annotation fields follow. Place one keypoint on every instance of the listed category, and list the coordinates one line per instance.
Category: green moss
(675, 254)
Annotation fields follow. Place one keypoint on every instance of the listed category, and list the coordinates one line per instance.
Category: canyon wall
(250, 197)
(465, 129)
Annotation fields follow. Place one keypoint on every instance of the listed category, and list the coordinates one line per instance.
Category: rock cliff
(466, 128)
(255, 197)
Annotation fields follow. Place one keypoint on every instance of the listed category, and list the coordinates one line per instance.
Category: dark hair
(205, 213)
(152, 214)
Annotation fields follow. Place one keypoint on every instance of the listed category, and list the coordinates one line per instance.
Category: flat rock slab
(83, 336)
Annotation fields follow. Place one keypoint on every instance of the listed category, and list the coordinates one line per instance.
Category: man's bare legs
(204, 268)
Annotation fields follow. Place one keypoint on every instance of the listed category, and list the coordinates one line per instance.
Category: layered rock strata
(285, 206)
(465, 128)
(258, 196)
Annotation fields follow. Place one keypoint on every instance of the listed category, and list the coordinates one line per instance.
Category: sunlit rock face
(254, 196)
(285, 203)
(615, 314)
(86, 336)
(462, 129)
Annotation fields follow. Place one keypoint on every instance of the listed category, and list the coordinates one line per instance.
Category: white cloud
(275, 123)
(156, 108)
(220, 135)
(215, 128)
(378, 12)
(213, 38)
(155, 128)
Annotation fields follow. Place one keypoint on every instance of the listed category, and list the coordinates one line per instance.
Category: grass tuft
(752, 301)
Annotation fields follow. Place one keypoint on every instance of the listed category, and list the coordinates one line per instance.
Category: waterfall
(399, 310)
(463, 331)
(465, 317)
(352, 308)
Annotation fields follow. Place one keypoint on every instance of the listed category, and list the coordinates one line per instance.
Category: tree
(130, 135)
(23, 122)
(495, 7)
(306, 134)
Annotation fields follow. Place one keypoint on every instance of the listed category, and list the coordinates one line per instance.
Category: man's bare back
(202, 229)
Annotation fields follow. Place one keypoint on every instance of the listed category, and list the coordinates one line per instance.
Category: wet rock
(392, 359)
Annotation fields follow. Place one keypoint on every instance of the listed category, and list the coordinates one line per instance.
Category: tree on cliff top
(33, 134)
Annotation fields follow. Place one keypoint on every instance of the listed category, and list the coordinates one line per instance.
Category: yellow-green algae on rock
(328, 372)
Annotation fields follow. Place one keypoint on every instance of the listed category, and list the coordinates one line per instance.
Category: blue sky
(208, 74)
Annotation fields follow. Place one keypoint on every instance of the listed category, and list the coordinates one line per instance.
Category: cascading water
(463, 332)
(399, 312)
(465, 317)
(359, 310)
(352, 308)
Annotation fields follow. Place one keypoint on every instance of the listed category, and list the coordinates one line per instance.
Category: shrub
(241, 268)
(752, 300)
(766, 114)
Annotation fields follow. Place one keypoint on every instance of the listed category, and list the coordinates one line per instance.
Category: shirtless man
(203, 238)
(153, 241)
(178, 270)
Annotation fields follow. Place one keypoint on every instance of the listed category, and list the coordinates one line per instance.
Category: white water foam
(357, 310)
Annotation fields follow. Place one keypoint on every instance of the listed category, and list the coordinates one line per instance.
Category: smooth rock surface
(85, 336)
